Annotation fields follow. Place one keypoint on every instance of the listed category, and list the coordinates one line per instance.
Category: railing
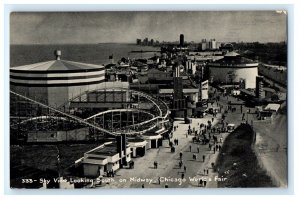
(66, 114)
(162, 107)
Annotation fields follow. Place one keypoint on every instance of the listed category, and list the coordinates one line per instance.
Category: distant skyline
(126, 27)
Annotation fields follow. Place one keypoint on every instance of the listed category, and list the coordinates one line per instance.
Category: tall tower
(178, 102)
(259, 87)
(181, 39)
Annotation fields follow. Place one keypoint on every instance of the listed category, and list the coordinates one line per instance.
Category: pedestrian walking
(182, 175)
(207, 171)
(155, 164)
(198, 149)
(180, 155)
(209, 145)
(201, 182)
(195, 157)
(212, 119)
(190, 148)
(204, 183)
(214, 150)
(184, 168)
(180, 164)
(171, 143)
(215, 138)
(204, 171)
(203, 158)
(158, 180)
(212, 165)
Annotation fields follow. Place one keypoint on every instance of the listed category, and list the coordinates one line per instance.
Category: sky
(126, 27)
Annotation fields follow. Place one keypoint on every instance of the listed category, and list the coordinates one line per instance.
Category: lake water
(86, 53)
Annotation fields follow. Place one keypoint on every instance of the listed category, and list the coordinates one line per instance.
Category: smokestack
(57, 54)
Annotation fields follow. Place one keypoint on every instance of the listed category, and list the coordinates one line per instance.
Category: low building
(191, 67)
(155, 74)
(276, 73)
(191, 96)
(153, 139)
(268, 112)
(104, 158)
(272, 108)
(79, 134)
(137, 146)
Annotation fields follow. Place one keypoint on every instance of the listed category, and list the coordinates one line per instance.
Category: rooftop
(235, 60)
(269, 90)
(110, 149)
(136, 139)
(150, 133)
(272, 107)
(231, 54)
(247, 92)
(96, 158)
(57, 65)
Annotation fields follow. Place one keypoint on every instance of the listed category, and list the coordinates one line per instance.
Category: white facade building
(234, 68)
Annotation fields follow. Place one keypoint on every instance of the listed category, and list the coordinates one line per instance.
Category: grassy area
(40, 161)
(238, 162)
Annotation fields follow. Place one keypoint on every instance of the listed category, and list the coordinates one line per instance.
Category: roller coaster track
(84, 121)
(118, 110)
(38, 118)
(145, 95)
(66, 114)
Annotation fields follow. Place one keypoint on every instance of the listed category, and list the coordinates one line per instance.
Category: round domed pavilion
(55, 82)
(234, 68)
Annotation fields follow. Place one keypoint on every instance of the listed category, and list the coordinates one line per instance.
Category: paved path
(168, 168)
(271, 141)
(168, 163)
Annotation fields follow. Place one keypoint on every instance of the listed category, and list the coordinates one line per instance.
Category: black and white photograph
(148, 99)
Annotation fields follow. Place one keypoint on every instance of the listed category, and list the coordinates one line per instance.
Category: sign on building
(204, 90)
